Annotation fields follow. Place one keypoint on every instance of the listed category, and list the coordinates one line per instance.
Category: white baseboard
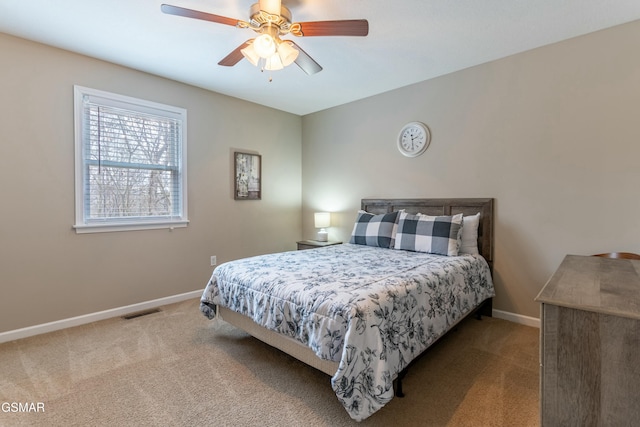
(517, 318)
(94, 317)
(122, 311)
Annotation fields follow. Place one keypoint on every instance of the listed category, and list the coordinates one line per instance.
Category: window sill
(132, 226)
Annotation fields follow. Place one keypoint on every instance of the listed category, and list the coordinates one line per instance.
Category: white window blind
(130, 163)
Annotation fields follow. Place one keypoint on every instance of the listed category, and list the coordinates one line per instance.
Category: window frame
(89, 225)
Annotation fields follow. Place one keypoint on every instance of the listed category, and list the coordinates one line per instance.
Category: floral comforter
(373, 310)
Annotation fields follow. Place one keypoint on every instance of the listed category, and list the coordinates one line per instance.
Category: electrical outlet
(214, 260)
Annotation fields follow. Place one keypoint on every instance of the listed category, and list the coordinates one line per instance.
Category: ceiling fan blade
(234, 57)
(349, 27)
(305, 62)
(189, 13)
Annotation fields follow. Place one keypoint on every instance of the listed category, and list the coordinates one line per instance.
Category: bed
(364, 310)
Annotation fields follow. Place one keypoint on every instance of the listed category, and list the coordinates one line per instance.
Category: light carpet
(174, 368)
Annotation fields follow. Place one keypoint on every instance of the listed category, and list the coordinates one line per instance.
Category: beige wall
(552, 134)
(47, 271)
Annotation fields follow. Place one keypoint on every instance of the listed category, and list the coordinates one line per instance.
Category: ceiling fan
(270, 19)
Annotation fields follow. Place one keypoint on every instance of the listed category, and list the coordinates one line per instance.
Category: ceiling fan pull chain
(270, 76)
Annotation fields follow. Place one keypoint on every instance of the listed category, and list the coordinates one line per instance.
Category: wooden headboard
(444, 207)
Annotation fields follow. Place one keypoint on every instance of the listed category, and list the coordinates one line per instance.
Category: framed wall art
(247, 176)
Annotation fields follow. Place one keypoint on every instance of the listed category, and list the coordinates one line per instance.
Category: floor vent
(141, 313)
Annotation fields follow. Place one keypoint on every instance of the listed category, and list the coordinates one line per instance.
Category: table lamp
(322, 221)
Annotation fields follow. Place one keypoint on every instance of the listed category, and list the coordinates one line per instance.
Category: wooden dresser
(590, 343)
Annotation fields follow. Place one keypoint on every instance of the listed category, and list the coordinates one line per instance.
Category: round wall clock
(413, 139)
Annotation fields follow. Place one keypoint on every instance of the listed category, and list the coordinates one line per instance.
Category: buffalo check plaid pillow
(432, 234)
(375, 230)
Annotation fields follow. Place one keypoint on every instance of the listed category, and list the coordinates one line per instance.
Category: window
(130, 163)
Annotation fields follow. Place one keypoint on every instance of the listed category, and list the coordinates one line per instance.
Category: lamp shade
(322, 219)
(287, 53)
(273, 63)
(264, 45)
(250, 53)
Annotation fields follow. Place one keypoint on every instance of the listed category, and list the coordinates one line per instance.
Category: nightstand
(313, 244)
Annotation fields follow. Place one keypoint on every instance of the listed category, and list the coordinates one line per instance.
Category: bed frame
(377, 206)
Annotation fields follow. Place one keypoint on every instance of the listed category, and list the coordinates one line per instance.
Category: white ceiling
(409, 40)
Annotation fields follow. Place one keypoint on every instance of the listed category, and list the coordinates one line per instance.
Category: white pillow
(469, 243)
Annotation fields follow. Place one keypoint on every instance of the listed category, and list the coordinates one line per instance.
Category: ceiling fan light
(287, 53)
(264, 45)
(273, 63)
(250, 53)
